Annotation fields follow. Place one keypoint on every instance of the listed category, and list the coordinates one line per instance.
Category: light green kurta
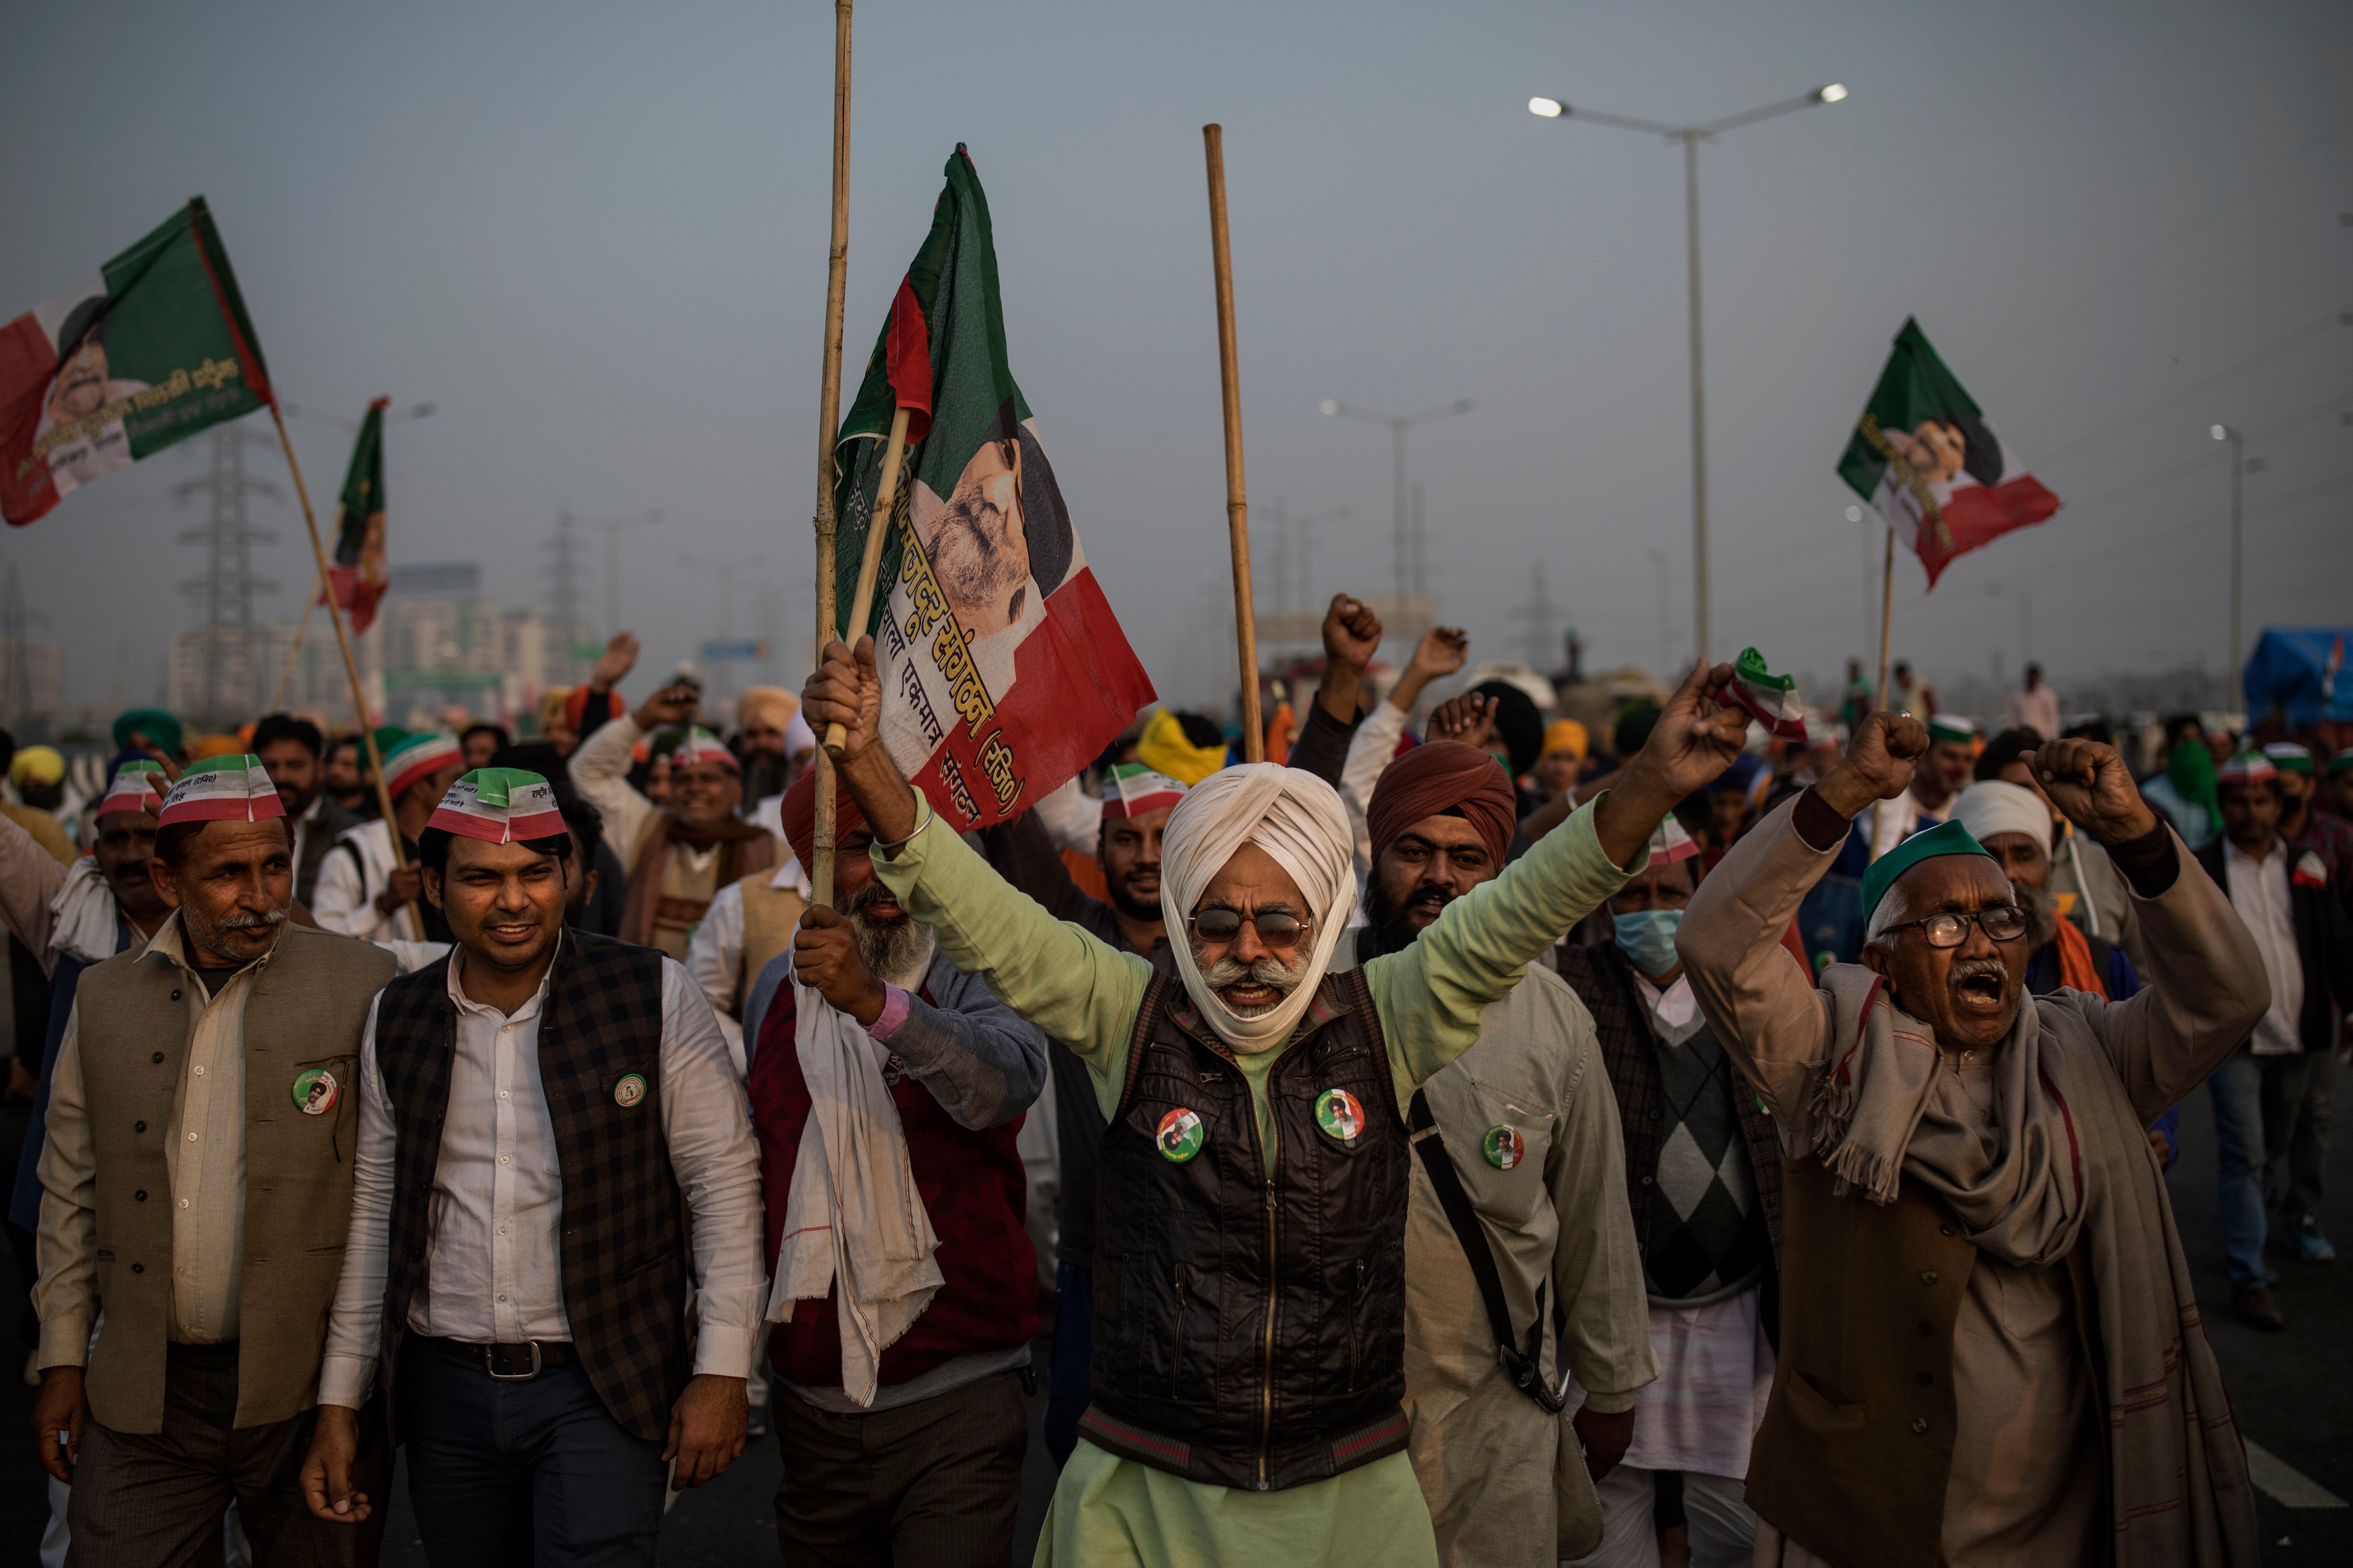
(1081, 991)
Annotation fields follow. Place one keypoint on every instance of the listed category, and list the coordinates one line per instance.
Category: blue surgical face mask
(1648, 938)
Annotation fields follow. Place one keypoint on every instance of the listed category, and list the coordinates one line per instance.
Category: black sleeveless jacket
(1251, 1331)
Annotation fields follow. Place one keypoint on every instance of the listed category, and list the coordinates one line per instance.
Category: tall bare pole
(1213, 139)
(342, 641)
(837, 277)
(1886, 612)
(1701, 628)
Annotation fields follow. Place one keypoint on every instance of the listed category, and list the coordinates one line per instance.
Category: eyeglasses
(1276, 928)
(2002, 922)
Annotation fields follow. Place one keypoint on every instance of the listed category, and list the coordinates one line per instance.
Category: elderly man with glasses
(1991, 1348)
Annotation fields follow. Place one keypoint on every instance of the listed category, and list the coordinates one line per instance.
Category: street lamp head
(2220, 433)
(1547, 108)
(1830, 94)
(1854, 514)
(1329, 408)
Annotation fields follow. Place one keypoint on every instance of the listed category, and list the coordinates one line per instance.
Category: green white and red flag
(147, 351)
(1772, 700)
(359, 576)
(1003, 671)
(1928, 462)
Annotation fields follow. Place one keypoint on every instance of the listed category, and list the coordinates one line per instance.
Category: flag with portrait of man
(1004, 670)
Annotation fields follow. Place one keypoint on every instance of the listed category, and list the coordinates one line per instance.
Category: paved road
(2293, 1392)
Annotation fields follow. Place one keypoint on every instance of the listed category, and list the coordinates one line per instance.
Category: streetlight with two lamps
(1691, 136)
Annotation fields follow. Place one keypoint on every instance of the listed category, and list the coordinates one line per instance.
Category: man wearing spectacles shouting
(1249, 1353)
(1990, 1346)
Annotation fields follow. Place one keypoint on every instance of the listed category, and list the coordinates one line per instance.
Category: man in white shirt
(2035, 706)
(364, 889)
(748, 923)
(2270, 1096)
(539, 1117)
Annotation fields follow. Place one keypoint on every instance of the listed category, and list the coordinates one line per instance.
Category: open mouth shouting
(1980, 987)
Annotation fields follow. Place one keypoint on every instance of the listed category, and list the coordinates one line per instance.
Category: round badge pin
(629, 1090)
(315, 1090)
(1179, 1136)
(1340, 1113)
(1505, 1147)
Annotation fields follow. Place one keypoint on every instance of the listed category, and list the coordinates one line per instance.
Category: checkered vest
(622, 1240)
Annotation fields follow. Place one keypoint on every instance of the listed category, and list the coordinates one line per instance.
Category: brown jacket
(307, 1007)
(1858, 1442)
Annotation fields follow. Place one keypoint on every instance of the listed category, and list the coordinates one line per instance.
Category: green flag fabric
(147, 351)
(359, 576)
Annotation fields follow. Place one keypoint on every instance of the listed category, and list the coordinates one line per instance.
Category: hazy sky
(595, 235)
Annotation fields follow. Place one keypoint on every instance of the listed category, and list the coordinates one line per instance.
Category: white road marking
(2288, 1485)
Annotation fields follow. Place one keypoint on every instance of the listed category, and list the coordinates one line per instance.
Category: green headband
(1945, 838)
(2341, 762)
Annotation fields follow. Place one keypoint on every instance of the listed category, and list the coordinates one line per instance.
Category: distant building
(438, 654)
(31, 696)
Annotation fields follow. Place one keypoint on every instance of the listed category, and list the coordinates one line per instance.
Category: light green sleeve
(1077, 988)
(1429, 993)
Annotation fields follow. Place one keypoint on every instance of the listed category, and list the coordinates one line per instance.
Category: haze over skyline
(596, 239)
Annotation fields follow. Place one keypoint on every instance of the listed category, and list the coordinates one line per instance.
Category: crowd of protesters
(1477, 1135)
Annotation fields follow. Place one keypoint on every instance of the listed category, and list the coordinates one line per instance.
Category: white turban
(1994, 807)
(1296, 819)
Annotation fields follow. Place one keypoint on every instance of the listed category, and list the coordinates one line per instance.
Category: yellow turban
(39, 766)
(1164, 749)
(1565, 735)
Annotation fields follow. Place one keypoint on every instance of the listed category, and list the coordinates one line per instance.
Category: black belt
(507, 1363)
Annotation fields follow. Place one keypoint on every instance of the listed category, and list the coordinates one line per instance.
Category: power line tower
(1537, 617)
(226, 589)
(564, 573)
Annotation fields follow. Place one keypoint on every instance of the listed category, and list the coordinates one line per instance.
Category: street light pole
(1691, 136)
(1399, 424)
(2238, 439)
(613, 527)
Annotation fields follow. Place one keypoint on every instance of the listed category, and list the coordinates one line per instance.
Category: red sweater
(972, 1184)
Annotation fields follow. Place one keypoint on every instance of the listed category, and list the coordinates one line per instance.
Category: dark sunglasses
(2002, 922)
(1276, 928)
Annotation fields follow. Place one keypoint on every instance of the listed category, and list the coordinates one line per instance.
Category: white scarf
(85, 913)
(1296, 819)
(854, 1223)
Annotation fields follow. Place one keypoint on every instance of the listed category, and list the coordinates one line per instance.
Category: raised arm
(2206, 986)
(29, 878)
(1024, 854)
(1352, 634)
(1430, 993)
(1073, 987)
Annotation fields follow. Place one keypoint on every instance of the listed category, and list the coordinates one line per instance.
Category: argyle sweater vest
(621, 1241)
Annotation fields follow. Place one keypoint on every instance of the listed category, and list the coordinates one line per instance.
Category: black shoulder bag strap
(1524, 1366)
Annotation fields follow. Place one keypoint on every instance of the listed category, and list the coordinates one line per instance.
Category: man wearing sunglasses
(1250, 1256)
(1990, 1347)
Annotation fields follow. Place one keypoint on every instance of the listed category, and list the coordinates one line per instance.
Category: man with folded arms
(1250, 1265)
(553, 1149)
(196, 1184)
(1990, 1344)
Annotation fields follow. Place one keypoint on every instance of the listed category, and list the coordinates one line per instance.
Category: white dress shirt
(495, 1272)
(2258, 890)
(342, 900)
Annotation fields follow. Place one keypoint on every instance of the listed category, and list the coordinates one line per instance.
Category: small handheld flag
(1133, 789)
(1772, 700)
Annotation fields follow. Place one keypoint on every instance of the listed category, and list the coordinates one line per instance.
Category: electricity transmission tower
(1536, 618)
(228, 587)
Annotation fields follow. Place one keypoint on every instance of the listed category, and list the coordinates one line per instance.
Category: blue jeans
(537, 1472)
(1067, 1374)
(2271, 1119)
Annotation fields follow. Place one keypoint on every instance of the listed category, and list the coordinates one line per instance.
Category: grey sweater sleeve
(981, 1061)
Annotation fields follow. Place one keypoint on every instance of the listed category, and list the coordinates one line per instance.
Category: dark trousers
(501, 1474)
(155, 1500)
(930, 1485)
(1068, 1374)
(2271, 1122)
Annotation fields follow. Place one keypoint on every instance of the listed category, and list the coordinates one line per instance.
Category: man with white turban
(1250, 1260)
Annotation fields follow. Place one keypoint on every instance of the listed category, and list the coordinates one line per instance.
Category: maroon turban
(798, 809)
(1441, 777)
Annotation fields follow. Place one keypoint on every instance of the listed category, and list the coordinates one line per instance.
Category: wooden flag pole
(837, 275)
(343, 641)
(1886, 612)
(870, 564)
(295, 652)
(1213, 138)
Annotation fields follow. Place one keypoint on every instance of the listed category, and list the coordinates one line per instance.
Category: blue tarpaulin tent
(2300, 669)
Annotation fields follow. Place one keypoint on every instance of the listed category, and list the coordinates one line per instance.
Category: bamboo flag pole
(295, 652)
(343, 641)
(1213, 138)
(828, 413)
(870, 564)
(1886, 625)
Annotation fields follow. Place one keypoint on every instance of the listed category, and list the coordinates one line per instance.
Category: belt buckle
(491, 1364)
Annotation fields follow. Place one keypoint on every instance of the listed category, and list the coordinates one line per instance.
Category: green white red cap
(134, 787)
(2247, 767)
(701, 746)
(2289, 757)
(1772, 700)
(226, 788)
(499, 805)
(1133, 789)
(419, 758)
(1671, 844)
(1952, 727)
